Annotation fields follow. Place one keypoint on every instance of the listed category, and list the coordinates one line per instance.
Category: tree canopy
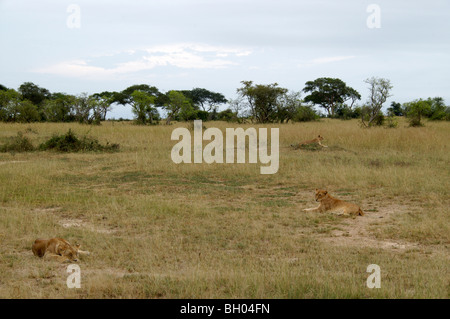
(142, 106)
(260, 103)
(264, 101)
(177, 104)
(330, 94)
(204, 98)
(34, 93)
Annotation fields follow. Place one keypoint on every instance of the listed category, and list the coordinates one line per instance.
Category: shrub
(202, 115)
(17, 143)
(447, 114)
(391, 121)
(416, 110)
(346, 113)
(305, 113)
(371, 119)
(69, 142)
(379, 119)
(227, 115)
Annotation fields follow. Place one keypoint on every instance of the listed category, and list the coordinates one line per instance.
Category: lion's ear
(77, 246)
(317, 189)
(326, 192)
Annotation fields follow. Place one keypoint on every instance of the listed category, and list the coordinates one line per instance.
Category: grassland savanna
(162, 230)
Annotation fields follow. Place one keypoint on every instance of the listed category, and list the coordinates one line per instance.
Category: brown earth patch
(355, 232)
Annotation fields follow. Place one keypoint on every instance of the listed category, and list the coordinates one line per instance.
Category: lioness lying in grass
(329, 203)
(317, 140)
(58, 249)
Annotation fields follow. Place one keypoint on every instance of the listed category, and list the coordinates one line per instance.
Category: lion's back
(334, 204)
(351, 208)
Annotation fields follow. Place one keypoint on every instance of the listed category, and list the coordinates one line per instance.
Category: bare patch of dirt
(77, 222)
(355, 232)
(67, 221)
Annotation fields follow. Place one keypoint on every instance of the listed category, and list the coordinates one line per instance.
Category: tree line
(31, 103)
(257, 103)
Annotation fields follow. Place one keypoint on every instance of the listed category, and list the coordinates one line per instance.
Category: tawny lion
(329, 203)
(317, 140)
(58, 249)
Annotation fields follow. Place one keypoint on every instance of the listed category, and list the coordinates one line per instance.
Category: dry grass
(161, 230)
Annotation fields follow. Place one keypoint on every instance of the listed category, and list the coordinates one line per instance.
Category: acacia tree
(379, 92)
(205, 99)
(330, 94)
(142, 106)
(124, 97)
(104, 102)
(263, 100)
(176, 104)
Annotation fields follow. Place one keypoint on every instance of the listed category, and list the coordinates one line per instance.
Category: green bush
(202, 115)
(379, 119)
(447, 114)
(416, 111)
(69, 142)
(17, 143)
(305, 113)
(391, 121)
(371, 119)
(227, 115)
(346, 113)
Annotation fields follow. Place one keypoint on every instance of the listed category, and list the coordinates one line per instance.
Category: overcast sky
(216, 44)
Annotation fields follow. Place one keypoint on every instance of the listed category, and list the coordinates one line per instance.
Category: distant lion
(58, 249)
(329, 203)
(317, 140)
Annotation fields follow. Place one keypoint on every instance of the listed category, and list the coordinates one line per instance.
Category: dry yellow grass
(161, 230)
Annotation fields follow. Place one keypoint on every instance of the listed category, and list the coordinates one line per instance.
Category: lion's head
(320, 138)
(320, 194)
(71, 252)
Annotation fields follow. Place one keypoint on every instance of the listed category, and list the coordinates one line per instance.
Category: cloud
(183, 55)
(324, 60)
(74, 68)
